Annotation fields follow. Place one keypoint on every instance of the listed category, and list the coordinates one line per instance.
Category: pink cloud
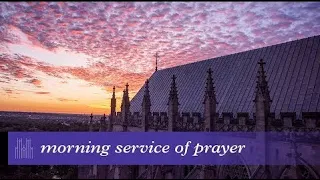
(35, 82)
(125, 36)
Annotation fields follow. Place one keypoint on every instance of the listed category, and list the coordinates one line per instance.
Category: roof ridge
(236, 53)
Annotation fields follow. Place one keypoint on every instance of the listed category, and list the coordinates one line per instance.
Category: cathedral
(274, 88)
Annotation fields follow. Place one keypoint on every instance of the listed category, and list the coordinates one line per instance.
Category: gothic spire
(91, 123)
(113, 102)
(127, 88)
(262, 90)
(114, 92)
(157, 56)
(209, 103)
(146, 108)
(127, 94)
(173, 106)
(173, 96)
(262, 100)
(146, 96)
(210, 91)
(113, 109)
(125, 107)
(91, 117)
(123, 99)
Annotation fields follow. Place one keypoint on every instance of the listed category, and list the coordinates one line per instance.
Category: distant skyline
(66, 56)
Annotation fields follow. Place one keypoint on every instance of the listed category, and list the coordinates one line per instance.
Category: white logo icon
(23, 150)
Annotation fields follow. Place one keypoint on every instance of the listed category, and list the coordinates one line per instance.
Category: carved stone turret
(173, 106)
(125, 108)
(113, 110)
(210, 103)
(146, 108)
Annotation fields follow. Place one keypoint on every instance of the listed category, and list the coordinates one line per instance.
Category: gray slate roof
(292, 70)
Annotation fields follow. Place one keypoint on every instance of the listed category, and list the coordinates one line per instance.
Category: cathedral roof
(292, 71)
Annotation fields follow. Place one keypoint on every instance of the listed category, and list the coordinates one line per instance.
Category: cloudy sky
(66, 57)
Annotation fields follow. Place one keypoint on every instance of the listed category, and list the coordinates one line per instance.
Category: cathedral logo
(23, 149)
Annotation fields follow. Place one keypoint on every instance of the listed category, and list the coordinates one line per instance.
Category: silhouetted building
(275, 88)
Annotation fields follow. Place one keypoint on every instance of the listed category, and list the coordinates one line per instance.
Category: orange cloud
(8, 91)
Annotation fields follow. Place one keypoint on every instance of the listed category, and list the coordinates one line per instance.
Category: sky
(66, 56)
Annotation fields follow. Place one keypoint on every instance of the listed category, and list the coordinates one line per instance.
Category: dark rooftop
(292, 70)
